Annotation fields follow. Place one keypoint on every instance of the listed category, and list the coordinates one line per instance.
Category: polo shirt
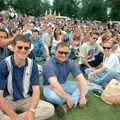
(52, 68)
(17, 78)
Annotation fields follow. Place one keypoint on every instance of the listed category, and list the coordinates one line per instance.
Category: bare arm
(95, 72)
(6, 107)
(35, 96)
(83, 89)
(100, 70)
(84, 61)
(33, 104)
(60, 91)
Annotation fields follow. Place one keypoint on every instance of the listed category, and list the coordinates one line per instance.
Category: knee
(53, 97)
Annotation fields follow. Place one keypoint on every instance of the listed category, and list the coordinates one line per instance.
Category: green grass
(95, 110)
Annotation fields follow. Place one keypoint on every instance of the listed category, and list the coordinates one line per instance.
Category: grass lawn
(96, 110)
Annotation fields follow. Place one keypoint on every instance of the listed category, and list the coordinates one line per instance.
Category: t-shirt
(89, 51)
(52, 68)
(112, 62)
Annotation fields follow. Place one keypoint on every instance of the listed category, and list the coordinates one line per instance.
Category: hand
(83, 102)
(29, 115)
(90, 76)
(69, 101)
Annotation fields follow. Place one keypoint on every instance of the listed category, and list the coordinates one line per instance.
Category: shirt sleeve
(48, 71)
(3, 75)
(74, 67)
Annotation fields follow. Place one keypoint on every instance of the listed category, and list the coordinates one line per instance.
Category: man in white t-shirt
(91, 53)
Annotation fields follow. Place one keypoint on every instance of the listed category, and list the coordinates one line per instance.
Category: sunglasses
(62, 52)
(21, 47)
(3, 37)
(107, 48)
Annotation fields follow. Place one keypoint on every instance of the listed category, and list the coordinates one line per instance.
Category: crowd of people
(54, 49)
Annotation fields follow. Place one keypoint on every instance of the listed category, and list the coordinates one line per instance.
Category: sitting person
(19, 85)
(40, 51)
(91, 54)
(110, 68)
(57, 89)
(4, 41)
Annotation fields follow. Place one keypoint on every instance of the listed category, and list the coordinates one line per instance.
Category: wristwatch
(32, 110)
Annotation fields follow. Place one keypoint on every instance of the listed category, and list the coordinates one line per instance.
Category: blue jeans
(105, 77)
(70, 87)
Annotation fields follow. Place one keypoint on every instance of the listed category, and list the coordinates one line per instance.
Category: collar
(13, 61)
(57, 62)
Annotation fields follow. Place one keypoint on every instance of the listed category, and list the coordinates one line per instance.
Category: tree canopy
(86, 9)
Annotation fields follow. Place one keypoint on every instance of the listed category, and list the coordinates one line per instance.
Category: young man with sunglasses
(110, 68)
(57, 89)
(19, 85)
(91, 54)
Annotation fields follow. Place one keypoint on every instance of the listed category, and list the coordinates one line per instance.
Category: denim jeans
(105, 77)
(70, 87)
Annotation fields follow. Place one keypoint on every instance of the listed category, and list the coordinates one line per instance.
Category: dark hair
(55, 31)
(22, 38)
(34, 30)
(3, 30)
(62, 44)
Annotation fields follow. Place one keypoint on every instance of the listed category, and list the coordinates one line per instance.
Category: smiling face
(21, 50)
(61, 53)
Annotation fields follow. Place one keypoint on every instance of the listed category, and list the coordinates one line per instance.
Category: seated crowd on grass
(89, 51)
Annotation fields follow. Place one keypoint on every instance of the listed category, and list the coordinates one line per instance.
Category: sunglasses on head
(21, 47)
(106, 47)
(62, 52)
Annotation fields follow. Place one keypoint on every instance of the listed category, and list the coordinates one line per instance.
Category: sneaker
(97, 92)
(60, 110)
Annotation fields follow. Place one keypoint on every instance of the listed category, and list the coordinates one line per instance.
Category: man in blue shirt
(40, 51)
(57, 89)
(19, 85)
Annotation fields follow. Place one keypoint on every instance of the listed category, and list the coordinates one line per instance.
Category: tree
(68, 8)
(31, 7)
(2, 5)
(115, 8)
(94, 9)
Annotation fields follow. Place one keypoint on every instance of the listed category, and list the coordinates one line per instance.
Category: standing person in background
(19, 85)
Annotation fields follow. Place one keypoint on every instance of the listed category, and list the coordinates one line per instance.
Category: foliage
(115, 8)
(94, 9)
(87, 9)
(68, 8)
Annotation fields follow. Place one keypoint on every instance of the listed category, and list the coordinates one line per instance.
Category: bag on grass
(111, 94)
